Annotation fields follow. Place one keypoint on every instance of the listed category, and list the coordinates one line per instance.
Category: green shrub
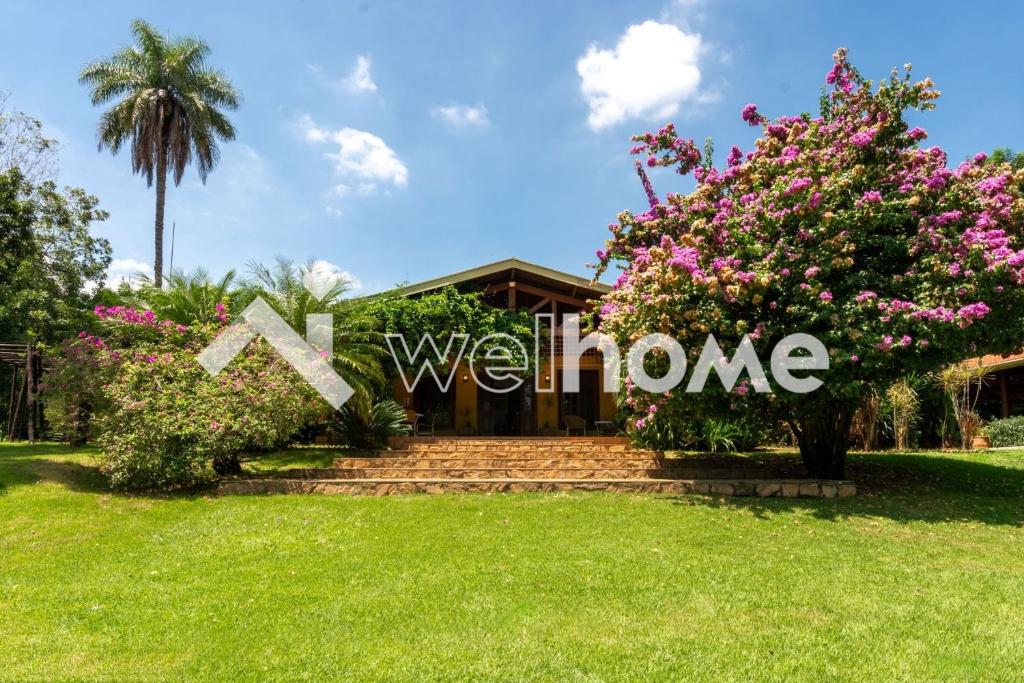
(1006, 432)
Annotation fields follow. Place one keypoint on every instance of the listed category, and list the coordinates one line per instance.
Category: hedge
(1006, 432)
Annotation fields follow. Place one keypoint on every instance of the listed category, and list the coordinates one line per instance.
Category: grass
(920, 578)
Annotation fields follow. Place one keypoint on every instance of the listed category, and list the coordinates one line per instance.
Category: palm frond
(167, 102)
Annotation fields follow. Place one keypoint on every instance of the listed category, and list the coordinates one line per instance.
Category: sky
(399, 142)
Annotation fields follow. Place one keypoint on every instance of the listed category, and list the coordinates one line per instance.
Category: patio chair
(412, 418)
(433, 422)
(574, 423)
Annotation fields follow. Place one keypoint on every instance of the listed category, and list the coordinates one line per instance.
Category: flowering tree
(842, 226)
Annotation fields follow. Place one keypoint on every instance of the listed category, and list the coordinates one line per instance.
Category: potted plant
(981, 439)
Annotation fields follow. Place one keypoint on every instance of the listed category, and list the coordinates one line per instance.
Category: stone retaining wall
(782, 488)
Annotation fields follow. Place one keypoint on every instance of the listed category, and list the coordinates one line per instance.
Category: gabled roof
(509, 264)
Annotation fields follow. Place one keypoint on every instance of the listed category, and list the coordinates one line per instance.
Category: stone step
(570, 473)
(516, 448)
(397, 440)
(383, 487)
(446, 461)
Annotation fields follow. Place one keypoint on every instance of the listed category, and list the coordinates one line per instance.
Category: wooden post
(14, 433)
(1004, 393)
(30, 395)
(10, 404)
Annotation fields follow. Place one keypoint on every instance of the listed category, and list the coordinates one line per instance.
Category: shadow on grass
(76, 469)
(26, 464)
(910, 487)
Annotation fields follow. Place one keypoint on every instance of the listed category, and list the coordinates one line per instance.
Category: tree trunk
(161, 193)
(823, 439)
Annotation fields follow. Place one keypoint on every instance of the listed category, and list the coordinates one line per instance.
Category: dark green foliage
(50, 264)
(449, 311)
(1006, 432)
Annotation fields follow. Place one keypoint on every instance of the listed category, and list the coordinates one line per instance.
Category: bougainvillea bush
(161, 421)
(845, 226)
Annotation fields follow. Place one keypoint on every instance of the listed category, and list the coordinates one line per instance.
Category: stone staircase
(438, 464)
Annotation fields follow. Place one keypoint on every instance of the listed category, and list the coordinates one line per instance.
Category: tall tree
(24, 146)
(50, 263)
(169, 104)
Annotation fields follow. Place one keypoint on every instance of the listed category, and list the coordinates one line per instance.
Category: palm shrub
(962, 384)
(367, 424)
(358, 346)
(867, 419)
(902, 402)
(169, 104)
(186, 298)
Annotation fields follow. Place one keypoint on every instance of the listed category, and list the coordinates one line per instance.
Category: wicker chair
(574, 423)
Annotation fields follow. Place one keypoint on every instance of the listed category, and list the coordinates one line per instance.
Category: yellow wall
(547, 403)
(465, 399)
(607, 402)
(402, 397)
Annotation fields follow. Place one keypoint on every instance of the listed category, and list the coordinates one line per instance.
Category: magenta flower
(751, 116)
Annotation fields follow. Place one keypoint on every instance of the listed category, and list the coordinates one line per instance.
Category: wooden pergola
(25, 411)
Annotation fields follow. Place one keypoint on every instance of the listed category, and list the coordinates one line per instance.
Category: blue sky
(402, 141)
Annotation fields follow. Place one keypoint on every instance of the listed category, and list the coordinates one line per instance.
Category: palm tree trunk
(161, 194)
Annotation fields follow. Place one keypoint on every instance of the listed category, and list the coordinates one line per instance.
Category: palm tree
(186, 298)
(358, 346)
(168, 103)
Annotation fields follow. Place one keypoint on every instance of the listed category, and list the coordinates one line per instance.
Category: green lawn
(920, 578)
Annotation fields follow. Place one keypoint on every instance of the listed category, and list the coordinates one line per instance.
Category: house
(469, 409)
(1002, 391)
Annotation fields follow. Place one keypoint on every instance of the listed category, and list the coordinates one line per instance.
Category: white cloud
(126, 270)
(361, 156)
(320, 277)
(651, 70)
(360, 80)
(462, 116)
(343, 190)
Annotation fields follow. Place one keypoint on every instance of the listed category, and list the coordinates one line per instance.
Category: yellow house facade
(469, 409)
